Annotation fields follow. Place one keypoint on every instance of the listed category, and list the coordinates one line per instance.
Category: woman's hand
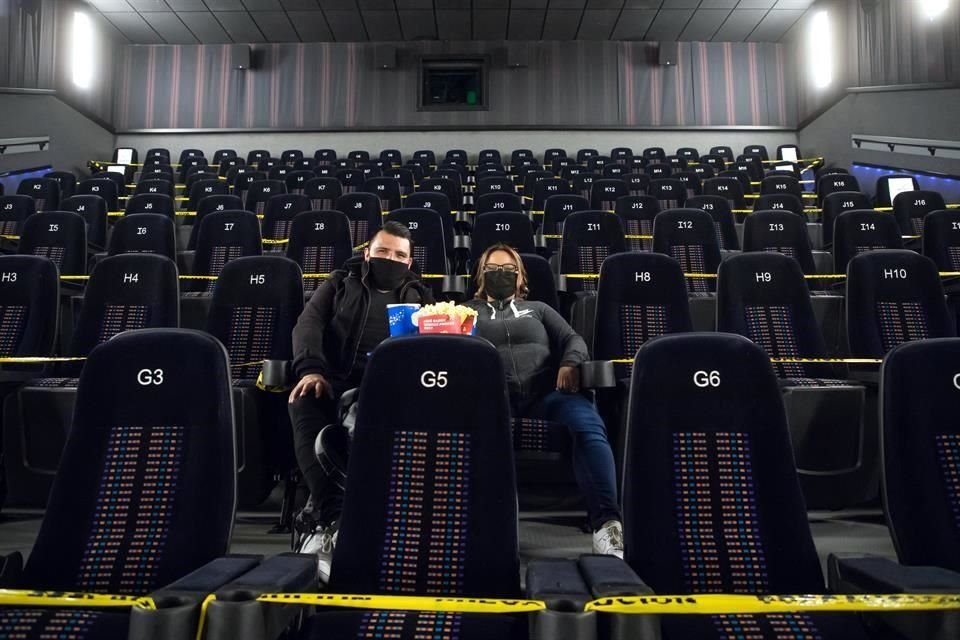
(568, 380)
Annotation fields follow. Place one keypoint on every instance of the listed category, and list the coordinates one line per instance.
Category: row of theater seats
(254, 303)
(144, 502)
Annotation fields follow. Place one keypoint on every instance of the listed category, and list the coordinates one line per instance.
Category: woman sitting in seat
(531, 337)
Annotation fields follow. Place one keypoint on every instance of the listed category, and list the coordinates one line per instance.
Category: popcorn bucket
(446, 324)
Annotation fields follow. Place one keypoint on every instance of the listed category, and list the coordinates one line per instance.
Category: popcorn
(445, 317)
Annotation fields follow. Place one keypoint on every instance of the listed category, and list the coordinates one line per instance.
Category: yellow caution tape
(28, 598)
(362, 246)
(35, 360)
(279, 241)
(9, 237)
(718, 604)
(754, 196)
(826, 360)
(406, 603)
(185, 214)
(315, 276)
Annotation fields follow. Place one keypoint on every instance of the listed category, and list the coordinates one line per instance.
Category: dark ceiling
(254, 21)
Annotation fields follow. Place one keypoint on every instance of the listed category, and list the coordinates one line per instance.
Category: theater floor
(542, 534)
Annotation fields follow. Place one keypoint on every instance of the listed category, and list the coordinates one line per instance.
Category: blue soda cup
(400, 319)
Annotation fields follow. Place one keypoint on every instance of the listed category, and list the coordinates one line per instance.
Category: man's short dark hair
(394, 228)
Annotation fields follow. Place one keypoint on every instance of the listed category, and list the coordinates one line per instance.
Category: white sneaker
(321, 543)
(608, 540)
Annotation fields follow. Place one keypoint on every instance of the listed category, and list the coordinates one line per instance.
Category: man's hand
(568, 380)
(311, 383)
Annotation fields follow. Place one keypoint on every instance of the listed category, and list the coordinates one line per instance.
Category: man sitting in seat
(531, 337)
(344, 321)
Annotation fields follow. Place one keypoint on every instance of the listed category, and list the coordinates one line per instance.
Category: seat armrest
(609, 576)
(558, 583)
(561, 282)
(454, 286)
(462, 242)
(858, 573)
(236, 614)
(277, 373)
(11, 567)
(211, 576)
(179, 604)
(597, 374)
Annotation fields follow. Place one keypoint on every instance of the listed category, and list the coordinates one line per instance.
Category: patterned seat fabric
(589, 237)
(410, 525)
(709, 469)
(539, 436)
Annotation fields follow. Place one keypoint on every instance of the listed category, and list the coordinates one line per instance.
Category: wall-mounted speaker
(240, 57)
(518, 56)
(385, 57)
(667, 53)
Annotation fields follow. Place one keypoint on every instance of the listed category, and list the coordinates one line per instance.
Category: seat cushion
(790, 626)
(541, 436)
(75, 624)
(414, 625)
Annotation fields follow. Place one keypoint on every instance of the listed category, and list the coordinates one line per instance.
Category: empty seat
(325, 156)
(788, 152)
(425, 157)
(157, 186)
(256, 155)
(404, 178)
(391, 158)
(165, 419)
(191, 164)
(66, 180)
(144, 233)
(621, 155)
(941, 239)
(223, 236)
(363, 210)
(691, 181)
(320, 243)
(727, 188)
(470, 458)
(226, 165)
(201, 189)
(207, 205)
(29, 291)
(688, 236)
(615, 170)
(859, 231)
(689, 153)
(920, 452)
(291, 156)
(123, 293)
(640, 296)
(260, 192)
(714, 450)
(495, 185)
(781, 184)
(746, 174)
(723, 222)
(583, 155)
(106, 189)
(654, 154)
(782, 232)
(779, 202)
(369, 170)
(444, 186)
(723, 151)
(605, 192)
(583, 183)
(223, 155)
(890, 186)
(669, 192)
(458, 156)
(323, 192)
(201, 176)
(510, 228)
(545, 188)
(588, 238)
(637, 183)
(93, 209)
(555, 211)
(553, 153)
(297, 180)
(435, 202)
(44, 191)
(893, 297)
(158, 203)
(498, 202)
(519, 155)
(359, 156)
(350, 179)
(279, 213)
(657, 170)
(256, 302)
(14, 210)
(763, 297)
(636, 214)
(910, 207)
(158, 153)
(60, 236)
(834, 182)
(835, 204)
(716, 162)
(704, 172)
(757, 150)
(489, 155)
(188, 154)
(387, 190)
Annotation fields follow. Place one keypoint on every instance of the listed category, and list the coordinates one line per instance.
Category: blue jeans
(592, 456)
